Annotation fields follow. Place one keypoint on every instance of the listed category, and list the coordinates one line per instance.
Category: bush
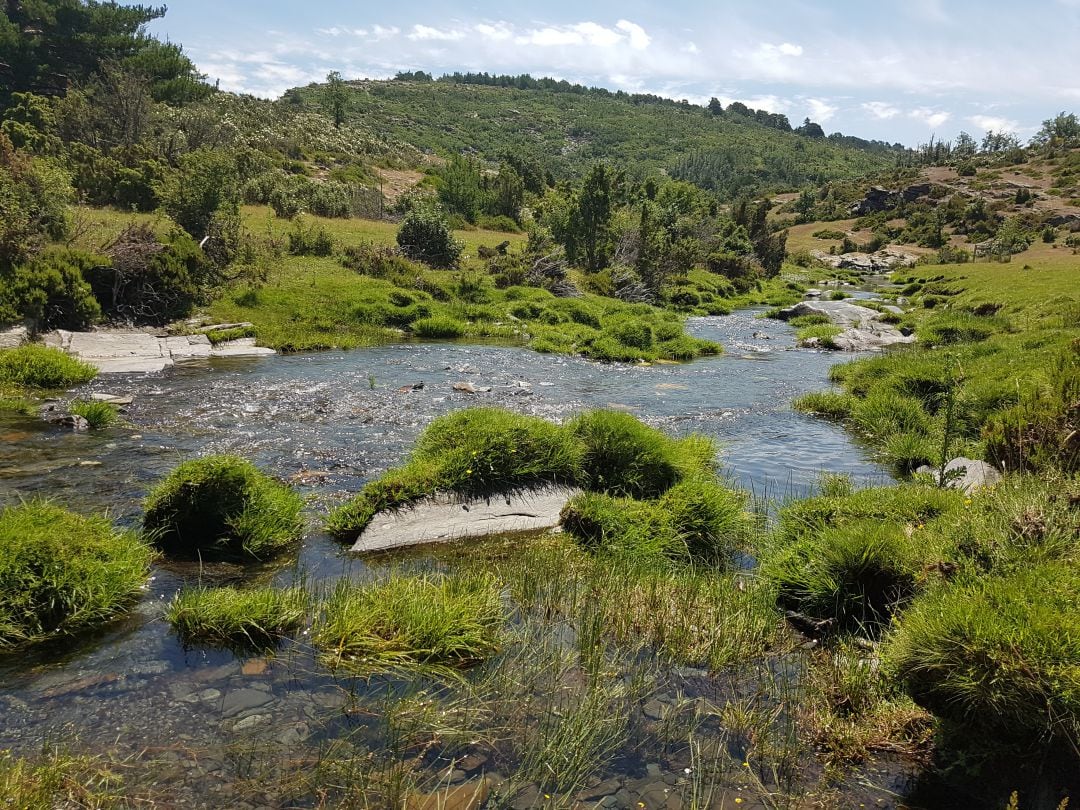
(33, 366)
(410, 621)
(309, 240)
(221, 507)
(624, 456)
(437, 327)
(425, 236)
(50, 291)
(630, 332)
(97, 414)
(61, 572)
(230, 617)
(855, 576)
(997, 657)
(147, 281)
(204, 184)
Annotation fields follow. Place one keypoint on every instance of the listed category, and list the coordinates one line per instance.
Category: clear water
(329, 422)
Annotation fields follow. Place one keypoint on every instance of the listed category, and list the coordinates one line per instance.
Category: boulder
(876, 199)
(873, 336)
(968, 474)
(841, 313)
(443, 518)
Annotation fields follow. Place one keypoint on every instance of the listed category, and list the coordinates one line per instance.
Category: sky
(893, 71)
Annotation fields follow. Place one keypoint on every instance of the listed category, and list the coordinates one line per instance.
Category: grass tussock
(221, 507)
(42, 367)
(57, 779)
(449, 621)
(98, 415)
(697, 520)
(61, 573)
(624, 456)
(237, 618)
(997, 657)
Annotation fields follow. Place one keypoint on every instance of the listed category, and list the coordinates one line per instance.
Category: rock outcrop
(884, 261)
(967, 474)
(120, 352)
(443, 518)
(864, 331)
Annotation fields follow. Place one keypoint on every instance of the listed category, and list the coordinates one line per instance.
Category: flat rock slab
(115, 352)
(441, 519)
(14, 337)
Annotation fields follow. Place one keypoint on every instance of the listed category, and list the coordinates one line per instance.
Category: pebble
(251, 722)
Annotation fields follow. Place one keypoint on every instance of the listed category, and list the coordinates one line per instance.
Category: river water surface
(328, 422)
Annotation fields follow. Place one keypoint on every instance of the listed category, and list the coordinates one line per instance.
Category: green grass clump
(819, 334)
(856, 575)
(221, 507)
(56, 779)
(231, 617)
(33, 366)
(424, 620)
(905, 504)
(945, 328)
(474, 452)
(830, 404)
(997, 657)
(813, 319)
(438, 327)
(697, 519)
(61, 573)
(97, 414)
(624, 456)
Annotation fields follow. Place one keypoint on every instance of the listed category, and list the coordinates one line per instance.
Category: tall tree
(335, 97)
(593, 217)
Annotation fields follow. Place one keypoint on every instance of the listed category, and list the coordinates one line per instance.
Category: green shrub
(50, 291)
(437, 327)
(231, 617)
(97, 414)
(147, 281)
(410, 621)
(309, 240)
(61, 572)
(221, 507)
(624, 456)
(425, 236)
(855, 575)
(997, 657)
(838, 295)
(34, 366)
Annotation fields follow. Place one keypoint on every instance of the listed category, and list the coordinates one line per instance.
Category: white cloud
(426, 32)
(881, 110)
(497, 31)
(689, 47)
(379, 32)
(639, 40)
(994, 122)
(932, 118)
(821, 111)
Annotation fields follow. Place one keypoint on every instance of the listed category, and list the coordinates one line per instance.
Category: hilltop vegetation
(565, 131)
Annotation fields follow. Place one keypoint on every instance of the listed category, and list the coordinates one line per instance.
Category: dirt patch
(396, 182)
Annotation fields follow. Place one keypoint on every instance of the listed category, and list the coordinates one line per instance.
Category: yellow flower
(738, 800)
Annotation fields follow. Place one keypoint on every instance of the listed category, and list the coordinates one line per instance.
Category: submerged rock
(444, 518)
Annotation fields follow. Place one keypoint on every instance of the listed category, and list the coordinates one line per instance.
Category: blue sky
(896, 71)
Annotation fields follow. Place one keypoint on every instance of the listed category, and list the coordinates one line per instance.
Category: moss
(231, 617)
(221, 507)
(61, 573)
(34, 366)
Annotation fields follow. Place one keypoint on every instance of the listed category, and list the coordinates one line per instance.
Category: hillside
(567, 132)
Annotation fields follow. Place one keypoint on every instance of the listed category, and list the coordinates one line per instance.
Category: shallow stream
(328, 422)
